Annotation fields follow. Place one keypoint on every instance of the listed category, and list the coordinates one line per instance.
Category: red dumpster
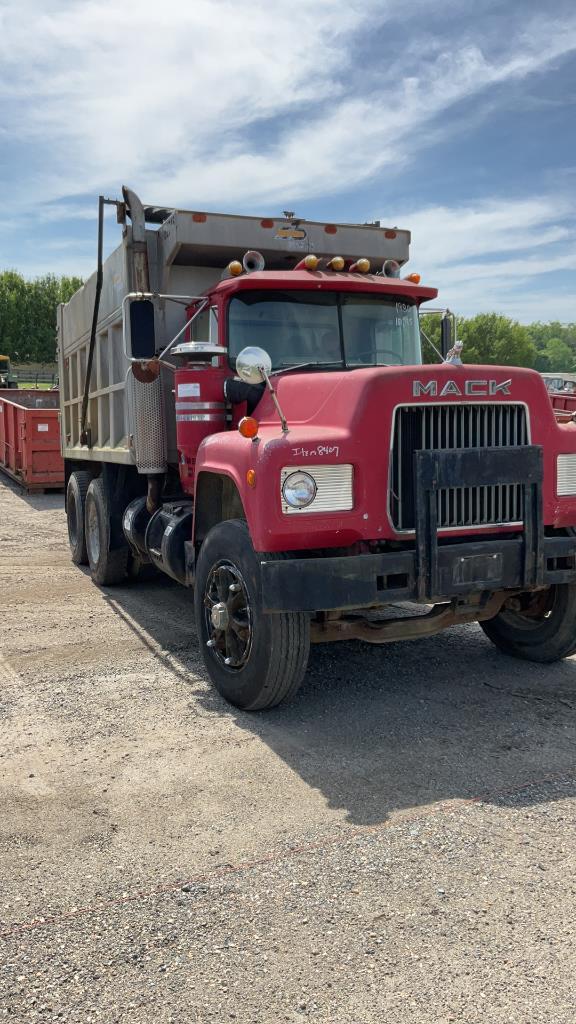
(30, 438)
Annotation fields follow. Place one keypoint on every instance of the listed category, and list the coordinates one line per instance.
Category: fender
(228, 457)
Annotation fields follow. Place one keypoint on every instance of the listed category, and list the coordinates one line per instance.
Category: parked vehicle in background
(563, 382)
(244, 406)
(8, 378)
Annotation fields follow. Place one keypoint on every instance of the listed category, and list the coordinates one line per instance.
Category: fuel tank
(160, 538)
(200, 411)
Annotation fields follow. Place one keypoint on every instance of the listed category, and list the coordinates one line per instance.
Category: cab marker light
(235, 268)
(414, 278)
(361, 266)
(310, 262)
(336, 263)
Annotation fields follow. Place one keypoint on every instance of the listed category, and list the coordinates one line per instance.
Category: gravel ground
(396, 845)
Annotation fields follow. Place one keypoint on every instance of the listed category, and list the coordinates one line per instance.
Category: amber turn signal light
(248, 427)
(251, 478)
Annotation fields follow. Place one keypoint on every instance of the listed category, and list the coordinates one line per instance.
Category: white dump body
(187, 254)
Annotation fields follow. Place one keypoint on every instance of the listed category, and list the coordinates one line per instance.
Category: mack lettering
(467, 388)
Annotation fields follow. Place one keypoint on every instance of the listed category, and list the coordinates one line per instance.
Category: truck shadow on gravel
(379, 729)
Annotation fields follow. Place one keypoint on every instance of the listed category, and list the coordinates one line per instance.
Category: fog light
(299, 489)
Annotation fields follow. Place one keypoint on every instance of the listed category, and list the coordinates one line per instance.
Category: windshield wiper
(285, 367)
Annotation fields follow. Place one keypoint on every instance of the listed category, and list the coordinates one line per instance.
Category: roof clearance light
(248, 427)
(361, 266)
(391, 268)
(414, 278)
(336, 263)
(310, 262)
(235, 268)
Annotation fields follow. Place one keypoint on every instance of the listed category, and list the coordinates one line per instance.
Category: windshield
(4, 364)
(329, 328)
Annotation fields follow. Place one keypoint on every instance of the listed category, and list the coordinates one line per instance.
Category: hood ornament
(454, 355)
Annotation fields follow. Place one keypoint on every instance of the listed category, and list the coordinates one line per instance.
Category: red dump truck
(244, 406)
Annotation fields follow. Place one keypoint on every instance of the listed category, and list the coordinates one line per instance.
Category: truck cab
(274, 441)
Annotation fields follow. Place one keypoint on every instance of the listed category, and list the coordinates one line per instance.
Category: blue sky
(453, 119)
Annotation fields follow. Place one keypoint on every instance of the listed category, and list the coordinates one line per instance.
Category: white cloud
(500, 255)
(257, 105)
(215, 101)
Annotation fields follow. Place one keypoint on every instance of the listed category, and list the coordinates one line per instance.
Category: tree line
(493, 338)
(28, 315)
(28, 329)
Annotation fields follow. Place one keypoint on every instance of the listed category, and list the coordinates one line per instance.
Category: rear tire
(107, 566)
(75, 506)
(267, 653)
(543, 629)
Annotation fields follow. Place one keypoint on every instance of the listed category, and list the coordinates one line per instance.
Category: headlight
(299, 489)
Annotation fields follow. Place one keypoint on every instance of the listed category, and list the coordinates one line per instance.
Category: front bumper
(362, 581)
(435, 571)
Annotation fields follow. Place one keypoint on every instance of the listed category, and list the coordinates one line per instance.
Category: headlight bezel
(312, 494)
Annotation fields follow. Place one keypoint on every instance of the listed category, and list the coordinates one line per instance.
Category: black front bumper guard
(435, 571)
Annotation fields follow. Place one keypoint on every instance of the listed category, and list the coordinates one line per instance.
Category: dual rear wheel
(90, 530)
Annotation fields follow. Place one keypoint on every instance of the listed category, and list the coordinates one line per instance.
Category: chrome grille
(441, 427)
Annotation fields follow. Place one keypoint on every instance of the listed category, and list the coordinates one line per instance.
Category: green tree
(12, 311)
(559, 355)
(28, 314)
(492, 338)
(430, 337)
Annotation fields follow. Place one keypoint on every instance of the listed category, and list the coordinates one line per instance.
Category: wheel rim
(228, 616)
(92, 532)
(530, 611)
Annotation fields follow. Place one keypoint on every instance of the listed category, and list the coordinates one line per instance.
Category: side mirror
(253, 365)
(142, 334)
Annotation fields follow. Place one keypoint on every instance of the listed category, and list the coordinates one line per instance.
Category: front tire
(107, 566)
(255, 660)
(539, 627)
